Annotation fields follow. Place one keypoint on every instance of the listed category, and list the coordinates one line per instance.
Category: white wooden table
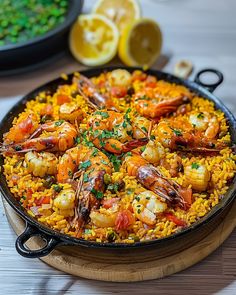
(203, 31)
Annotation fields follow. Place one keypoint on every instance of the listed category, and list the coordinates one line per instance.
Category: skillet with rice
(121, 158)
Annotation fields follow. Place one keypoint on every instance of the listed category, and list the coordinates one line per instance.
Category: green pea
(27, 19)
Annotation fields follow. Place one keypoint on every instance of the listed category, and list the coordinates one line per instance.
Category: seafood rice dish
(121, 157)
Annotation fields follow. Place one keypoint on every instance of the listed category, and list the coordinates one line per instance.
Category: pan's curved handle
(211, 87)
(31, 231)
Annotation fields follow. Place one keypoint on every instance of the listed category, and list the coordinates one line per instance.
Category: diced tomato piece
(43, 200)
(124, 219)
(187, 195)
(47, 110)
(109, 203)
(139, 76)
(26, 125)
(176, 220)
(118, 91)
(151, 84)
(151, 81)
(62, 98)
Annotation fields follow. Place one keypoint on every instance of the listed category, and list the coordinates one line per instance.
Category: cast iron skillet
(15, 58)
(53, 238)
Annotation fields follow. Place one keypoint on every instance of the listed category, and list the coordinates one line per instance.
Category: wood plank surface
(203, 31)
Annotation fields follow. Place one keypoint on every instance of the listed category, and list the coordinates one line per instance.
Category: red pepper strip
(124, 219)
(62, 98)
(43, 200)
(109, 203)
(171, 217)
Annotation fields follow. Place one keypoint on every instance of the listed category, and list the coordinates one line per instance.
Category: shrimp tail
(132, 144)
(92, 96)
(168, 190)
(34, 144)
(87, 199)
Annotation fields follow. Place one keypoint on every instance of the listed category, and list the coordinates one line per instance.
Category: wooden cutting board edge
(131, 272)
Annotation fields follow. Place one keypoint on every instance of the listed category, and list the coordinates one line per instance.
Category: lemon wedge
(93, 39)
(140, 43)
(121, 12)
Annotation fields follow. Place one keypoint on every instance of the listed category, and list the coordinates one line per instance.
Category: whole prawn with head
(150, 104)
(90, 165)
(51, 136)
(116, 83)
(149, 176)
(114, 132)
(196, 133)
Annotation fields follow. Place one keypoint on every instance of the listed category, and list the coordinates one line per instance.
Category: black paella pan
(164, 246)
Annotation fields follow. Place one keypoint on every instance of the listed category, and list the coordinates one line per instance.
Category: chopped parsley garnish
(97, 123)
(152, 137)
(177, 132)
(124, 124)
(70, 173)
(115, 147)
(143, 97)
(77, 140)
(85, 165)
(58, 123)
(129, 154)
(87, 231)
(126, 116)
(143, 148)
(97, 194)
(129, 132)
(104, 162)
(129, 191)
(103, 114)
(96, 133)
(144, 129)
(95, 152)
(113, 187)
(200, 116)
(116, 162)
(195, 166)
(17, 148)
(85, 178)
(57, 188)
(139, 211)
(137, 198)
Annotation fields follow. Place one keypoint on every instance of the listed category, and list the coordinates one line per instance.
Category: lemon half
(121, 12)
(93, 39)
(140, 43)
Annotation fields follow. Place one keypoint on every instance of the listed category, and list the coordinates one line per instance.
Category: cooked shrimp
(119, 77)
(198, 176)
(105, 219)
(113, 132)
(41, 164)
(140, 127)
(153, 152)
(95, 165)
(152, 179)
(91, 94)
(71, 112)
(24, 127)
(147, 205)
(65, 202)
(53, 136)
(206, 123)
(182, 135)
(151, 105)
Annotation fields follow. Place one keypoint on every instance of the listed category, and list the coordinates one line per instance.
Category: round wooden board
(73, 259)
